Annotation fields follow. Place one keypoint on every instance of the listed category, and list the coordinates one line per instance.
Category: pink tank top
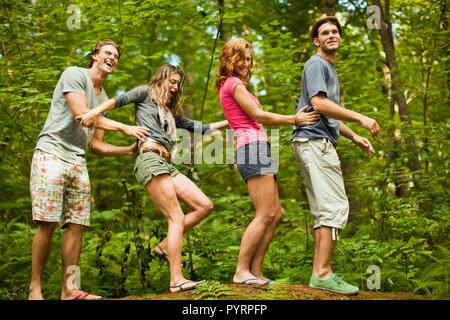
(244, 127)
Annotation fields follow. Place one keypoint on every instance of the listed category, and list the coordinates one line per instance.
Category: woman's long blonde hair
(158, 94)
(233, 53)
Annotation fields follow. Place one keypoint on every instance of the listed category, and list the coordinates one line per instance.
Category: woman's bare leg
(188, 192)
(163, 194)
(262, 192)
(258, 257)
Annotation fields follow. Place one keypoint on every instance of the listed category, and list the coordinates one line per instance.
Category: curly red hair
(233, 53)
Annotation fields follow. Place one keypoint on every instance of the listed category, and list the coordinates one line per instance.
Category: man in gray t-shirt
(319, 76)
(62, 135)
(59, 181)
(315, 151)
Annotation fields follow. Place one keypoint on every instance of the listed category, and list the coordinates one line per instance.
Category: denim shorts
(254, 159)
(151, 164)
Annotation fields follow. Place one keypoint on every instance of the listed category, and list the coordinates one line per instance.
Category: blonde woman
(158, 108)
(257, 168)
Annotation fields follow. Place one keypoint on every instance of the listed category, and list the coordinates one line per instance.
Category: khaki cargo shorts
(321, 169)
(151, 164)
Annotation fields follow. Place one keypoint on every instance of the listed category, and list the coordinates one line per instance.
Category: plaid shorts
(60, 191)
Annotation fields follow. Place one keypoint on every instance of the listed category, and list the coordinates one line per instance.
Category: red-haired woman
(253, 159)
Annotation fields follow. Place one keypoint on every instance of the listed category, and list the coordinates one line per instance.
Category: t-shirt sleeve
(315, 79)
(135, 95)
(230, 84)
(191, 125)
(73, 80)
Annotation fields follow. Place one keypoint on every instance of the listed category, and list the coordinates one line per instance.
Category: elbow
(259, 117)
(79, 114)
(317, 108)
(316, 104)
(94, 147)
(93, 150)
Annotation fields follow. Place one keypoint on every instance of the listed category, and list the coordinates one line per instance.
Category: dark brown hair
(332, 21)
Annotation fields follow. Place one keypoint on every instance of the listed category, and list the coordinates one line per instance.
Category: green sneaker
(334, 283)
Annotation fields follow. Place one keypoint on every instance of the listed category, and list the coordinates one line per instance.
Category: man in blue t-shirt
(315, 151)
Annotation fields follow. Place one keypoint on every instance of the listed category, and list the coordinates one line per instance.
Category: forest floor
(274, 292)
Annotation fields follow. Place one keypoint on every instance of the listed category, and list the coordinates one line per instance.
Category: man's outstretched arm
(325, 106)
(99, 147)
(361, 142)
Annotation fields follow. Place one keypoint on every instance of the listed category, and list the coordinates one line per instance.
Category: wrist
(362, 120)
(354, 137)
(122, 127)
(294, 119)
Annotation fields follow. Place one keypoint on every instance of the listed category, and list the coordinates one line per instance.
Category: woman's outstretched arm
(243, 98)
(218, 125)
(135, 95)
(90, 118)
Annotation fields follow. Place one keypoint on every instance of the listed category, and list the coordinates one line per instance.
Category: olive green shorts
(151, 164)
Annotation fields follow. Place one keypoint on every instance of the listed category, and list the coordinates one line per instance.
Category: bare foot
(247, 278)
(78, 295)
(260, 276)
(35, 294)
(184, 285)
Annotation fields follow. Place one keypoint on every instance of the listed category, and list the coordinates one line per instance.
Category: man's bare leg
(40, 251)
(316, 249)
(323, 252)
(70, 253)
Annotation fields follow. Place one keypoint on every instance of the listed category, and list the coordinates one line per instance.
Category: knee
(176, 218)
(267, 218)
(47, 227)
(208, 208)
(272, 218)
(277, 216)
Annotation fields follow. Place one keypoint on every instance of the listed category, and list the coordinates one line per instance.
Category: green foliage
(212, 290)
(406, 235)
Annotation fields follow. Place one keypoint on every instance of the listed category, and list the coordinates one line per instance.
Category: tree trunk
(387, 41)
(223, 35)
(400, 179)
(329, 7)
